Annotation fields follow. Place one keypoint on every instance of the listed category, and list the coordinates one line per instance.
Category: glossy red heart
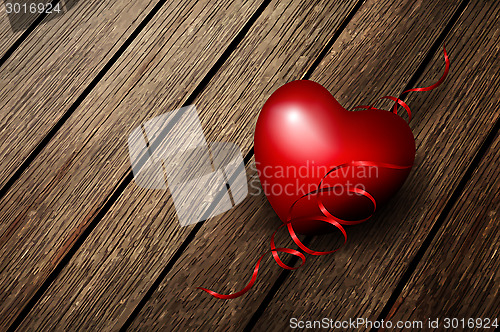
(302, 132)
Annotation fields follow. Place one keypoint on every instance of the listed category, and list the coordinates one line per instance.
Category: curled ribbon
(402, 103)
(327, 216)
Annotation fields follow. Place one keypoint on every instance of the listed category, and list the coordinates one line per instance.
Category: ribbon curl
(398, 101)
(327, 216)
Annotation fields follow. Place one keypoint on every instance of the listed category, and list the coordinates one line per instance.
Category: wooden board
(224, 250)
(57, 197)
(450, 125)
(459, 276)
(140, 234)
(53, 66)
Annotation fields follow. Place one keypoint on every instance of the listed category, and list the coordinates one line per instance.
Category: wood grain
(459, 277)
(223, 253)
(53, 66)
(130, 246)
(57, 197)
(450, 124)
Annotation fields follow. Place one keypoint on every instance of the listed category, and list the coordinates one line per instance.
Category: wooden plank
(459, 276)
(128, 249)
(50, 70)
(57, 197)
(146, 218)
(449, 125)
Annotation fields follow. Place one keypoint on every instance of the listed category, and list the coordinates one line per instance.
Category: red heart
(302, 132)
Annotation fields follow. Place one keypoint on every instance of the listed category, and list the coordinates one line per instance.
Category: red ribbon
(327, 216)
(429, 88)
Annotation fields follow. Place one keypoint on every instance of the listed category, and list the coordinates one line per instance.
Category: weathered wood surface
(140, 234)
(223, 253)
(460, 274)
(52, 67)
(57, 197)
(450, 125)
